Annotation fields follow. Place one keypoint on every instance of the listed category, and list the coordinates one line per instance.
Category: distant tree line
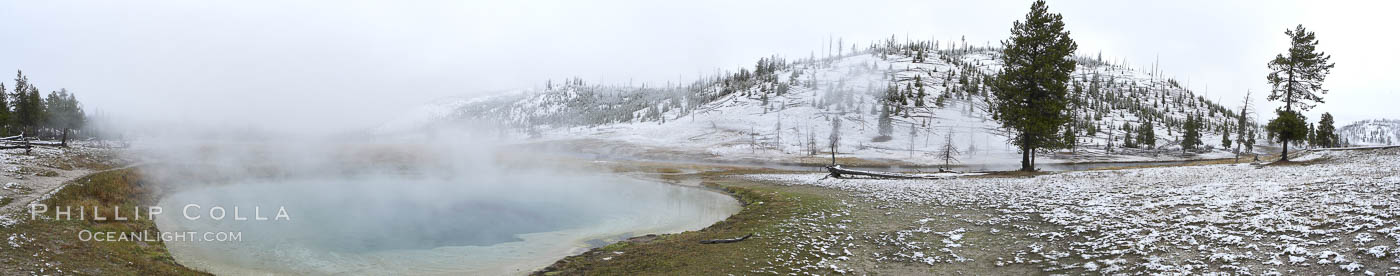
(23, 111)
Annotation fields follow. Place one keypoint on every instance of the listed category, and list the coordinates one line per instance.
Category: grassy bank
(766, 210)
(50, 246)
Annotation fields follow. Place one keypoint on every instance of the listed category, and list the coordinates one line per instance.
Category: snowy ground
(1336, 214)
(26, 177)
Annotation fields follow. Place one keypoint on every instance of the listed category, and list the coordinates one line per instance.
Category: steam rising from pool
(390, 225)
(453, 211)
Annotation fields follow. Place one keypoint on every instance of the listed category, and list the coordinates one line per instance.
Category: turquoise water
(398, 224)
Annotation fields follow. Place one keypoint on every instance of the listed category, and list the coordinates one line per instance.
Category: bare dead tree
(949, 153)
(913, 132)
(835, 137)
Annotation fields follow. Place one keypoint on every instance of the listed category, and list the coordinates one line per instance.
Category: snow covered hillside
(1370, 133)
(891, 101)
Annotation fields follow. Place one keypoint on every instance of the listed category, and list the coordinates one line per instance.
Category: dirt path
(21, 190)
(26, 178)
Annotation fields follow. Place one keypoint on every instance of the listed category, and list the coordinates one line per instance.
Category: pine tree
(1225, 139)
(1146, 135)
(1312, 135)
(1071, 141)
(1191, 137)
(1249, 142)
(18, 117)
(1327, 132)
(904, 97)
(36, 103)
(28, 107)
(1297, 78)
(1129, 141)
(764, 100)
(4, 112)
(1288, 126)
(1030, 91)
(59, 111)
(919, 99)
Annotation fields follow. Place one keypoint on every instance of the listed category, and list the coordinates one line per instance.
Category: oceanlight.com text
(113, 236)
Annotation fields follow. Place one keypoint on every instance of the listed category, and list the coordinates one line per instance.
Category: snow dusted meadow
(1334, 214)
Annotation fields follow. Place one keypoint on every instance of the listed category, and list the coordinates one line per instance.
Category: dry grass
(53, 245)
(765, 207)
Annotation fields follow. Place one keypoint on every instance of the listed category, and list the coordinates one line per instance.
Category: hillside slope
(781, 110)
(1370, 133)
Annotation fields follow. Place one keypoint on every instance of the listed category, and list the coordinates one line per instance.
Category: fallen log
(739, 239)
(4, 144)
(838, 172)
(45, 143)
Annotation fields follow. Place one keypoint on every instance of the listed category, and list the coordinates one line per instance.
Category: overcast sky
(334, 65)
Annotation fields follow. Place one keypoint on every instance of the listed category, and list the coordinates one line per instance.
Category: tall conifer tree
(1030, 91)
(1296, 77)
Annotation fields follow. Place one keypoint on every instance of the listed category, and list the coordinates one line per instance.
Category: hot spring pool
(396, 224)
